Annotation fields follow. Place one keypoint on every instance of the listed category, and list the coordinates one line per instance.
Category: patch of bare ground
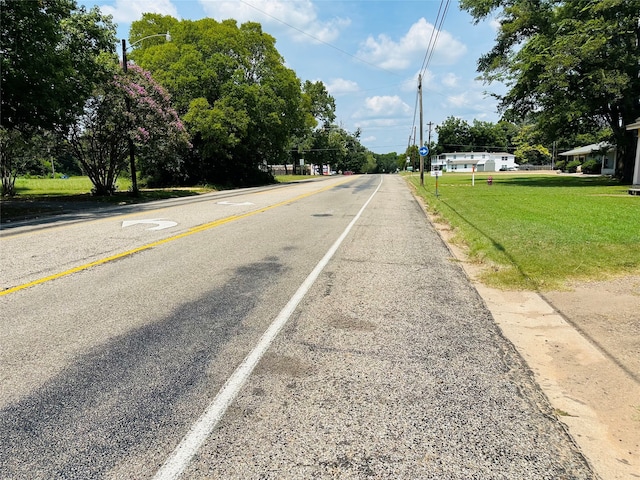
(582, 345)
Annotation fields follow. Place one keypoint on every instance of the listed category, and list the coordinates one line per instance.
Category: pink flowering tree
(99, 137)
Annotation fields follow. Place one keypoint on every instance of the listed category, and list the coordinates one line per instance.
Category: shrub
(592, 166)
(560, 164)
(572, 166)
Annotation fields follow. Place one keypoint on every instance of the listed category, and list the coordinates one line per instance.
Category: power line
(431, 46)
(319, 40)
(435, 34)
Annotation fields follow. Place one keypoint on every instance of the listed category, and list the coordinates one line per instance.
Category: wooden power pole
(421, 130)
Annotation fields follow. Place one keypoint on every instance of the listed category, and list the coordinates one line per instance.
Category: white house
(481, 161)
(601, 152)
(636, 168)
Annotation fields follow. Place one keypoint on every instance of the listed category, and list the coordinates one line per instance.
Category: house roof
(501, 154)
(587, 149)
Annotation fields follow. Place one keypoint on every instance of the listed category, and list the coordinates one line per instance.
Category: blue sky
(367, 52)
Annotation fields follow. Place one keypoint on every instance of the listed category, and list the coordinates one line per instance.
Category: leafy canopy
(240, 103)
(572, 66)
(50, 60)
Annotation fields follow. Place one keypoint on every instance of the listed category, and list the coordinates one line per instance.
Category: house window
(471, 157)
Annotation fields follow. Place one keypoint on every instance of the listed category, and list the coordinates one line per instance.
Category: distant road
(316, 330)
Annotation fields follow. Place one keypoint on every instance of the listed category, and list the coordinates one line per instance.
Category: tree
(98, 137)
(532, 155)
(386, 163)
(317, 107)
(50, 64)
(454, 135)
(321, 106)
(240, 103)
(487, 136)
(412, 153)
(572, 66)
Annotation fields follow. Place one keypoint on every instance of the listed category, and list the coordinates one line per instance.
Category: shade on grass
(539, 231)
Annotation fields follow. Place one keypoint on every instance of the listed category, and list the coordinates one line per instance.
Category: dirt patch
(607, 312)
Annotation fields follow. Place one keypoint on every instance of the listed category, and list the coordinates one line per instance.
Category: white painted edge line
(191, 443)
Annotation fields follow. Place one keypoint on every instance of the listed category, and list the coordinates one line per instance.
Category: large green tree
(50, 60)
(572, 66)
(318, 108)
(52, 55)
(240, 103)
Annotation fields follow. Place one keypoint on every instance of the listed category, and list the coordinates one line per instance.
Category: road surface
(314, 330)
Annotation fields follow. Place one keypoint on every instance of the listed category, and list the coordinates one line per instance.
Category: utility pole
(421, 157)
(132, 158)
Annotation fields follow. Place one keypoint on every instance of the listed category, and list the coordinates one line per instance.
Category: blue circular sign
(424, 151)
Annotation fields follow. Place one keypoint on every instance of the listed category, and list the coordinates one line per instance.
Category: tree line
(214, 104)
(572, 69)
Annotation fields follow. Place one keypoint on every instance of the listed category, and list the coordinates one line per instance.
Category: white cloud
(340, 86)
(383, 106)
(300, 17)
(475, 102)
(460, 100)
(410, 49)
(127, 11)
(450, 80)
(380, 123)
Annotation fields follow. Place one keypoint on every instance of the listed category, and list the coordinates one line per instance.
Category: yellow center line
(191, 231)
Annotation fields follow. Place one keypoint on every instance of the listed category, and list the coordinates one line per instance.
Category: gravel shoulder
(583, 347)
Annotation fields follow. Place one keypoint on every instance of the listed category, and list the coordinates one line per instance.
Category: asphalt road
(316, 330)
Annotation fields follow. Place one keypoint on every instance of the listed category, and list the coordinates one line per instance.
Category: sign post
(436, 173)
(423, 151)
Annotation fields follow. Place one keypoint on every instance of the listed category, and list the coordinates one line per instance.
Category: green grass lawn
(37, 197)
(38, 187)
(60, 186)
(537, 231)
(293, 178)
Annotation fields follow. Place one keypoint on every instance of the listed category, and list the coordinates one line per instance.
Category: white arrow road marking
(161, 224)
(235, 204)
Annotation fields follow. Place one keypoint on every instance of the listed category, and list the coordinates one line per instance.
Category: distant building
(602, 152)
(481, 161)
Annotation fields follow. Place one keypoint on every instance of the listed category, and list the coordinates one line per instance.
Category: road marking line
(197, 435)
(191, 231)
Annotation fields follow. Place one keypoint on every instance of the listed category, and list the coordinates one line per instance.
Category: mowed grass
(61, 186)
(539, 231)
(37, 197)
(39, 187)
